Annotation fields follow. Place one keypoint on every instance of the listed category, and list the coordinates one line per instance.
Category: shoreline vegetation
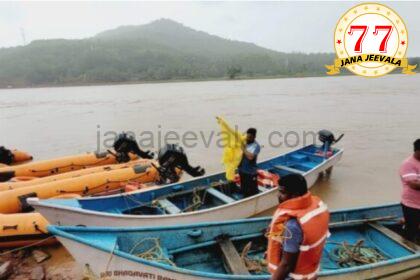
(226, 79)
(162, 51)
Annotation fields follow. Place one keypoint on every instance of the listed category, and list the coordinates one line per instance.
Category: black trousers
(249, 184)
(412, 223)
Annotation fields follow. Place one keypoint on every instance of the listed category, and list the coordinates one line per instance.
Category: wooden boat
(207, 198)
(222, 250)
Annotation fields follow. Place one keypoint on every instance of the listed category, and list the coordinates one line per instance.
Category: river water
(379, 117)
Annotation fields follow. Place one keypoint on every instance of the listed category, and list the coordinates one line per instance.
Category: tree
(233, 71)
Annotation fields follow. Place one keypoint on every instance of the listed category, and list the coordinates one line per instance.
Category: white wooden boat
(171, 204)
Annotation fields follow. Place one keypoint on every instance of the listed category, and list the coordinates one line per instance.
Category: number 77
(364, 29)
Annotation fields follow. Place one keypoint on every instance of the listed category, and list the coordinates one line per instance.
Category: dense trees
(161, 50)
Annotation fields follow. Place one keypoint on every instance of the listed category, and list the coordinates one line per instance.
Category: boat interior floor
(196, 199)
(347, 246)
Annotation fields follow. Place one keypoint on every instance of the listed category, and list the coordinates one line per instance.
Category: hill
(160, 50)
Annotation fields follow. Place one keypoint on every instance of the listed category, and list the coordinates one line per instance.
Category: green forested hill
(161, 50)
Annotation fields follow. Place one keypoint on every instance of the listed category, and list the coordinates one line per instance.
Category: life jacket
(313, 217)
(264, 178)
(327, 154)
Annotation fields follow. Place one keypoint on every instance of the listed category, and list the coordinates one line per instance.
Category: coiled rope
(154, 253)
(347, 255)
(257, 265)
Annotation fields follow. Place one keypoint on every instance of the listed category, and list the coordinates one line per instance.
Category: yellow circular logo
(370, 40)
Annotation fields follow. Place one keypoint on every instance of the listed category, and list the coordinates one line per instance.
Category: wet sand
(380, 119)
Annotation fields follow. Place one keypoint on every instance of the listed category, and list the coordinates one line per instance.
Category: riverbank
(89, 84)
(59, 266)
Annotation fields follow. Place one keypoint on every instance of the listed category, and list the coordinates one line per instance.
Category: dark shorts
(249, 184)
(412, 223)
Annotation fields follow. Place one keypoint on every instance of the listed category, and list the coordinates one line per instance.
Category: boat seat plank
(219, 195)
(169, 206)
(231, 258)
(313, 155)
(262, 189)
(396, 237)
(299, 156)
(289, 169)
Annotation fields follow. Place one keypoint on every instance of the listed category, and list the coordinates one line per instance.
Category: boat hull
(104, 264)
(105, 258)
(62, 215)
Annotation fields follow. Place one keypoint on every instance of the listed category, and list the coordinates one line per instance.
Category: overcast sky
(282, 26)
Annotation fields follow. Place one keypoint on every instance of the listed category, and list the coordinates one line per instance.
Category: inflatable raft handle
(195, 233)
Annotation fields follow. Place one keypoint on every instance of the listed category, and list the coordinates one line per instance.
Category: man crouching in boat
(298, 231)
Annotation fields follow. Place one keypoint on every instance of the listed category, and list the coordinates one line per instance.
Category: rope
(153, 204)
(154, 253)
(36, 226)
(25, 247)
(282, 234)
(257, 265)
(197, 201)
(111, 255)
(140, 203)
(88, 274)
(347, 255)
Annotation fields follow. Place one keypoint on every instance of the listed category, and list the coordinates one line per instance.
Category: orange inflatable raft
(14, 201)
(13, 157)
(21, 182)
(24, 229)
(58, 165)
(20, 157)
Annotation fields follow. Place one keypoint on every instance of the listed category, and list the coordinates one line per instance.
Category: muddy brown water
(379, 117)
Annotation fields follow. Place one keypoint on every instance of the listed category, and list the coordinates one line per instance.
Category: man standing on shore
(248, 165)
(410, 199)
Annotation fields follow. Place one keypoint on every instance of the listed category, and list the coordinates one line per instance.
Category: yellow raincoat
(233, 142)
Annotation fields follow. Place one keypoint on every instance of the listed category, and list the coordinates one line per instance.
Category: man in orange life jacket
(298, 232)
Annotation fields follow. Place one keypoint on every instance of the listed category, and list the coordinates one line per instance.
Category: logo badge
(370, 40)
